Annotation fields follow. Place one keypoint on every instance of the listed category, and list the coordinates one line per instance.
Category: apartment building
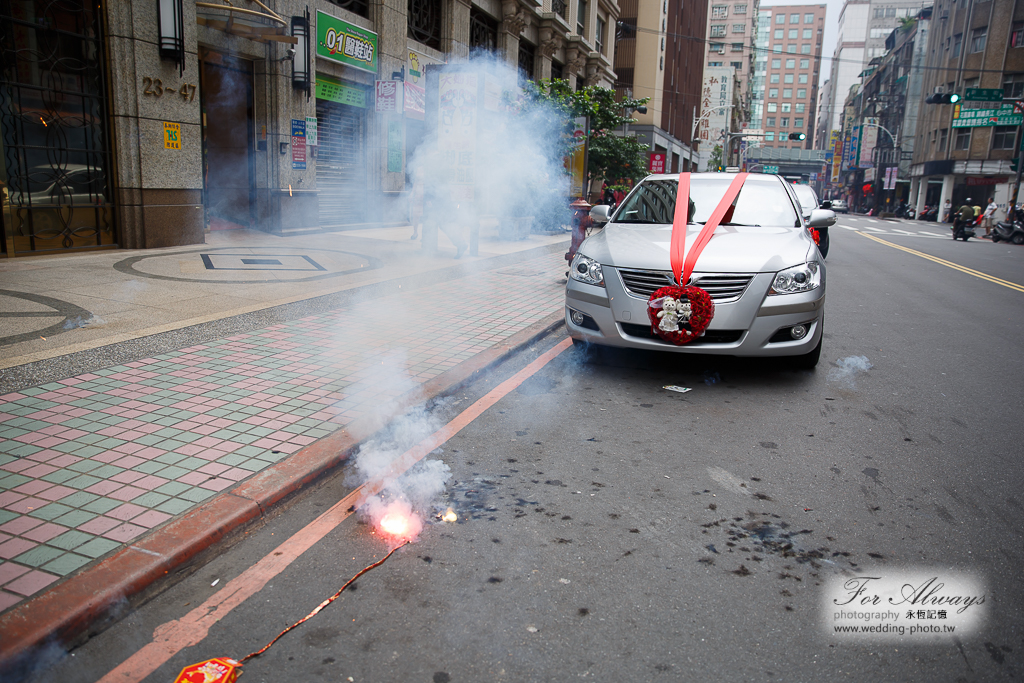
(732, 30)
(863, 28)
(657, 57)
(791, 68)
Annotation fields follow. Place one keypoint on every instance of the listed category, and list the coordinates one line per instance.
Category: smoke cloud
(846, 369)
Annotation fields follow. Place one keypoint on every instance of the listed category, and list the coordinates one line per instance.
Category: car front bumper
(743, 327)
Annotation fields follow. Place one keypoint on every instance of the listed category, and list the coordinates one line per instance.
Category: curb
(87, 602)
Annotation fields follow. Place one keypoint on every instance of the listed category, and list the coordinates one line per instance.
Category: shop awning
(257, 22)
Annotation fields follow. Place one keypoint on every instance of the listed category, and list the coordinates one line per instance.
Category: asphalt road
(609, 529)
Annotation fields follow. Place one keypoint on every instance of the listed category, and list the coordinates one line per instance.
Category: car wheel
(1017, 239)
(808, 361)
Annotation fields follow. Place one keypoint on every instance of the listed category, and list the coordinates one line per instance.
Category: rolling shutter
(341, 163)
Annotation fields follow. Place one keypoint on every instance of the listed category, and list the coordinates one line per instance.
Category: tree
(715, 159)
(610, 156)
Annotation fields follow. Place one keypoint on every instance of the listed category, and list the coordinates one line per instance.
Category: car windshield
(806, 196)
(762, 201)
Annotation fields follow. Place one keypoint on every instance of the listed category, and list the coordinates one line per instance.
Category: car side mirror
(826, 204)
(821, 218)
(600, 213)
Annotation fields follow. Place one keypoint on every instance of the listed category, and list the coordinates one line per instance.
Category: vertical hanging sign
(299, 144)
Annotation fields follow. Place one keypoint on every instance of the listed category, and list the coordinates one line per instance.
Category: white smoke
(846, 369)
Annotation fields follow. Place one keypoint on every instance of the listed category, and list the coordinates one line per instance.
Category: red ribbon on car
(683, 268)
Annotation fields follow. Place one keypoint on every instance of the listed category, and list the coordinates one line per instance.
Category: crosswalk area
(880, 227)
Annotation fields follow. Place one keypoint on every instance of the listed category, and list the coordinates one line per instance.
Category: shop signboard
(855, 146)
(576, 161)
(329, 88)
(415, 84)
(311, 132)
(456, 132)
(836, 143)
(868, 140)
(388, 97)
(869, 175)
(345, 43)
(657, 162)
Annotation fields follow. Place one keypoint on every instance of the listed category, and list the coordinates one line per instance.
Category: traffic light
(937, 98)
(797, 136)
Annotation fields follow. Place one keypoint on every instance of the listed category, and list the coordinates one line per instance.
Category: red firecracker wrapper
(220, 670)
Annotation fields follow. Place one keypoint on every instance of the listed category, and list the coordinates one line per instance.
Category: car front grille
(723, 287)
(710, 336)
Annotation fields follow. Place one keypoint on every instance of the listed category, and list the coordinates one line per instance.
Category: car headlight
(802, 278)
(586, 270)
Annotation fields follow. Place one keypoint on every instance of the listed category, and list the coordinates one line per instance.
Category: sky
(828, 47)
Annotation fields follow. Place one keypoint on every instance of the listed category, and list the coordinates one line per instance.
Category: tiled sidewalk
(91, 462)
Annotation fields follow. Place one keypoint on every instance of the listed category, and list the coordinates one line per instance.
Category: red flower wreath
(702, 310)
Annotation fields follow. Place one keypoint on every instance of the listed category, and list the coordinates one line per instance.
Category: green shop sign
(340, 41)
(328, 88)
(998, 116)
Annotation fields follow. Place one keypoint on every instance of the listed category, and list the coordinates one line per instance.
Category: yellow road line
(949, 264)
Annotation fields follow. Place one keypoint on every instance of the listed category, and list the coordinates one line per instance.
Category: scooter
(963, 230)
(1010, 232)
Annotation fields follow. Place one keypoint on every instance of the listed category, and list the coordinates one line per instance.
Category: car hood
(732, 249)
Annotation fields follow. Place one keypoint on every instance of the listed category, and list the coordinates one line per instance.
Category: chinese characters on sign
(1001, 116)
(172, 135)
(298, 144)
(340, 41)
(657, 163)
(389, 98)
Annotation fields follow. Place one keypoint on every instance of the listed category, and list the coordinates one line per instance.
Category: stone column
(391, 19)
(514, 20)
(455, 37)
(947, 193)
(158, 192)
(922, 195)
(551, 40)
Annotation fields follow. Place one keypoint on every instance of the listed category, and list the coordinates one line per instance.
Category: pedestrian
(946, 207)
(977, 213)
(990, 212)
(607, 196)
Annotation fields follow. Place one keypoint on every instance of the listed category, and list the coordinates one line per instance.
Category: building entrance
(228, 139)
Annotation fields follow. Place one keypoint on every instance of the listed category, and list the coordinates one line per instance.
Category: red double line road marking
(171, 638)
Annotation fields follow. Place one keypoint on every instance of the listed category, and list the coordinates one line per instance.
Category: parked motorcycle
(1008, 231)
(932, 214)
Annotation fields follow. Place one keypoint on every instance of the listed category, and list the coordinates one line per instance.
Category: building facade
(656, 58)
(879, 140)
(976, 50)
(145, 124)
(732, 31)
(863, 28)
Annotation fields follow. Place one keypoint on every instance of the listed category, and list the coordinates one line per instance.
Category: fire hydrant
(580, 223)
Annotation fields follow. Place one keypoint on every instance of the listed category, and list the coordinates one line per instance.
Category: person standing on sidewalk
(990, 212)
(946, 217)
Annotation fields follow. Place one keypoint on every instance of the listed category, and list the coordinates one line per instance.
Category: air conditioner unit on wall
(940, 89)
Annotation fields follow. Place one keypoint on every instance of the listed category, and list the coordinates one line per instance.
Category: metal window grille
(360, 7)
(558, 7)
(425, 22)
(483, 31)
(53, 119)
(527, 57)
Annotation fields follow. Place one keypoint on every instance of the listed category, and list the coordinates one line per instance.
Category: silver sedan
(761, 268)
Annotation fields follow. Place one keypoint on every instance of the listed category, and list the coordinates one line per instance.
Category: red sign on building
(657, 164)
